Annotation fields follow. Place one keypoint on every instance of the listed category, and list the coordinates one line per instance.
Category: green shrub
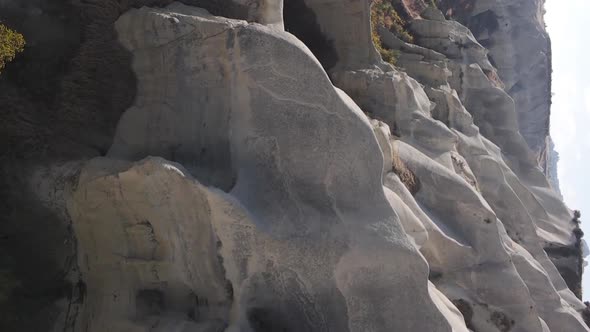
(386, 54)
(383, 13)
(11, 43)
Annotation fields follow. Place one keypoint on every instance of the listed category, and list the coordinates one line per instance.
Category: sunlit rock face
(514, 33)
(304, 240)
(270, 172)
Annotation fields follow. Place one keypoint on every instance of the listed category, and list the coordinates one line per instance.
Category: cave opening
(301, 21)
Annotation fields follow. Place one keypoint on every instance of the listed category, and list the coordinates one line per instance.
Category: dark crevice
(266, 320)
(561, 251)
(586, 313)
(501, 321)
(61, 100)
(492, 61)
(479, 23)
(302, 22)
(149, 302)
(467, 312)
(228, 285)
(569, 259)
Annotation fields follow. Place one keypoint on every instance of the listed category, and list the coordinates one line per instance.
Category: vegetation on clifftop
(386, 54)
(11, 43)
(385, 15)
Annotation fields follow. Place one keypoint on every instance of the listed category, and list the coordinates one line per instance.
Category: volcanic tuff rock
(551, 169)
(255, 173)
(514, 33)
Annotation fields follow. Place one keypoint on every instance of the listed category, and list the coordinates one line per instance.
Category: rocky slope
(551, 169)
(519, 47)
(236, 165)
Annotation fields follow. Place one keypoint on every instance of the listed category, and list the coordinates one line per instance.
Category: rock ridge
(260, 168)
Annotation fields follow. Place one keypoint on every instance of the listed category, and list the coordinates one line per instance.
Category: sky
(568, 26)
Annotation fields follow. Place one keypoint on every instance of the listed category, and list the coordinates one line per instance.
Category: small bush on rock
(11, 43)
(408, 178)
(386, 54)
(384, 15)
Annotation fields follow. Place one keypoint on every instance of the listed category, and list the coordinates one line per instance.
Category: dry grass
(408, 178)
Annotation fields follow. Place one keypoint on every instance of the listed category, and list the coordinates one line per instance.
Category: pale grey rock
(472, 76)
(507, 198)
(280, 208)
(422, 63)
(433, 13)
(514, 33)
(452, 314)
(465, 266)
(412, 225)
(383, 135)
(484, 172)
(451, 39)
(306, 232)
(306, 236)
(399, 102)
(267, 12)
(391, 41)
(141, 256)
(494, 113)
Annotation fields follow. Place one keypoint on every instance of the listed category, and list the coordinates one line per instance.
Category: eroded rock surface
(514, 33)
(269, 180)
(306, 235)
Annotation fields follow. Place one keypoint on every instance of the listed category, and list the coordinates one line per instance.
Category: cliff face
(551, 169)
(240, 165)
(519, 47)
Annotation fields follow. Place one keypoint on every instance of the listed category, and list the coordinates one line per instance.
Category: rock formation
(231, 165)
(519, 47)
(551, 169)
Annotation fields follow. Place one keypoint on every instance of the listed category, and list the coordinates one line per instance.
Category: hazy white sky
(567, 22)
